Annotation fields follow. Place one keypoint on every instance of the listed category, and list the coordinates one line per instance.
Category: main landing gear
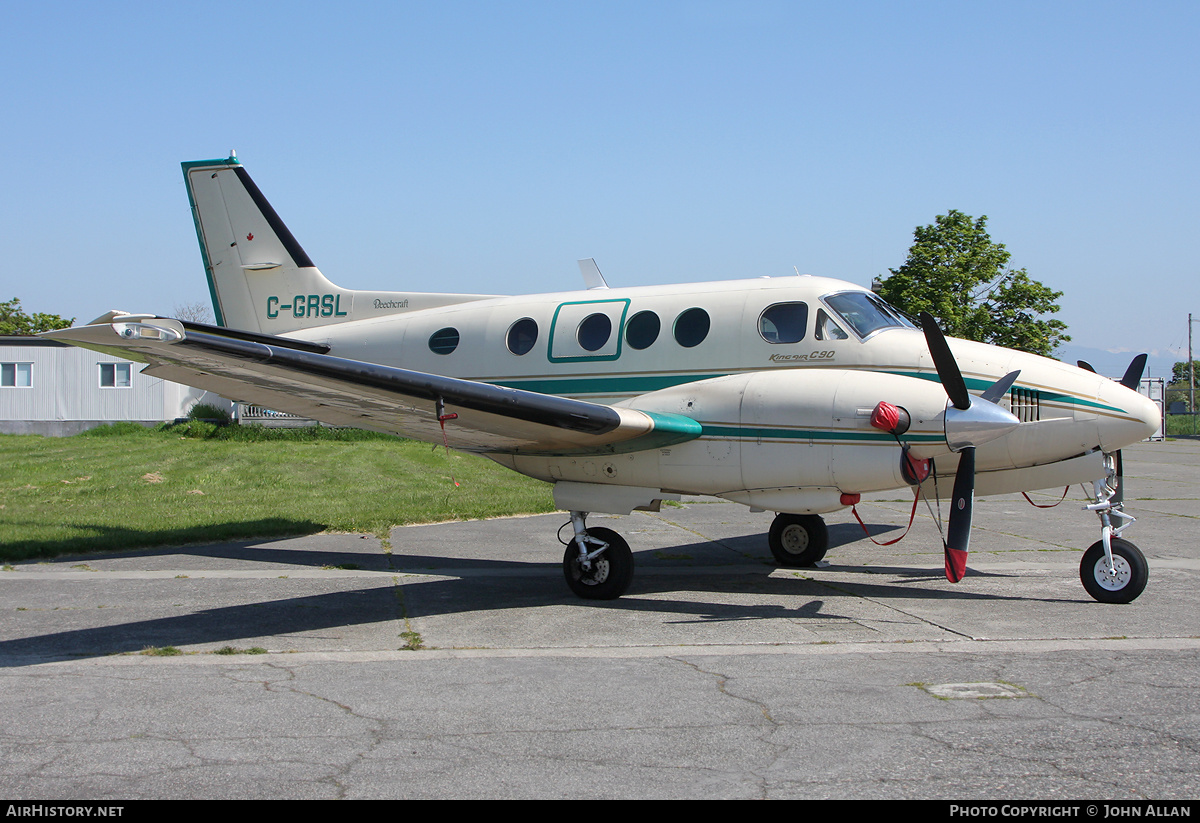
(597, 564)
(1112, 570)
(798, 539)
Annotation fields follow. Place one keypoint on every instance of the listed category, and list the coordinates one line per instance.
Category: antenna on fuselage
(592, 278)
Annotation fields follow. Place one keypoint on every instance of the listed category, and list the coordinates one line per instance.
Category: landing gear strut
(798, 539)
(597, 564)
(1112, 570)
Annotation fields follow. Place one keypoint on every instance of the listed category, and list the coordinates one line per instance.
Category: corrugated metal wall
(66, 387)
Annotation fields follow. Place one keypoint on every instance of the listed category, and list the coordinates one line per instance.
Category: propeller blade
(943, 361)
(997, 390)
(958, 533)
(1085, 365)
(1133, 374)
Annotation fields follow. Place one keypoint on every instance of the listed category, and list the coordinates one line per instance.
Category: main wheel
(798, 539)
(611, 572)
(1121, 586)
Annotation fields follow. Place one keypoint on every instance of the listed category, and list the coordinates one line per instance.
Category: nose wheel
(1121, 582)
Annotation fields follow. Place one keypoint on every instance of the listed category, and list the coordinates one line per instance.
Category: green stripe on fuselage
(765, 433)
(631, 385)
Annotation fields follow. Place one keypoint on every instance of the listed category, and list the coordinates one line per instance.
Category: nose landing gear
(1112, 570)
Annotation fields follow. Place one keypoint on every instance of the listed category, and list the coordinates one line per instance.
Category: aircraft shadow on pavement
(106, 539)
(475, 585)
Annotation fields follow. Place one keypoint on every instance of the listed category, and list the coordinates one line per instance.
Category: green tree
(1177, 388)
(14, 321)
(956, 273)
(1179, 372)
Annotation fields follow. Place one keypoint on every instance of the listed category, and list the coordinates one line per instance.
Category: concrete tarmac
(452, 662)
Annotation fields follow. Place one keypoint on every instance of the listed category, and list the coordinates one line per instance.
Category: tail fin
(259, 276)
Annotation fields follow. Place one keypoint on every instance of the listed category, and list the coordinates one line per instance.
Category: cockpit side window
(827, 328)
(783, 322)
(865, 313)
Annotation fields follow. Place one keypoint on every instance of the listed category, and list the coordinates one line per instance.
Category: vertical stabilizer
(259, 276)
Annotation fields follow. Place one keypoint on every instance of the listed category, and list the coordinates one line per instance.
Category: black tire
(798, 539)
(1131, 577)
(611, 573)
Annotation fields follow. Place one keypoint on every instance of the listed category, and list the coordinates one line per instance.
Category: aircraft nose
(1131, 418)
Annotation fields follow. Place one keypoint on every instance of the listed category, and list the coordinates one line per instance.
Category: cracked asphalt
(451, 661)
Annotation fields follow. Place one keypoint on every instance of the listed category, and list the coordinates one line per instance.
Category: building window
(16, 375)
(114, 375)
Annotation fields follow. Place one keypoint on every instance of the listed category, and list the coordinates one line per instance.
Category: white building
(53, 388)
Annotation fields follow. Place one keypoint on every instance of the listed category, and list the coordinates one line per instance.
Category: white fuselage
(782, 373)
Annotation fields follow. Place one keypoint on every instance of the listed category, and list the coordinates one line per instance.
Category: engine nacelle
(802, 434)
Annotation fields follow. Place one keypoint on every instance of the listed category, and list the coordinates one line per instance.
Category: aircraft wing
(297, 377)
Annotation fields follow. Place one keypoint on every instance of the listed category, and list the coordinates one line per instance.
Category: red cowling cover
(885, 416)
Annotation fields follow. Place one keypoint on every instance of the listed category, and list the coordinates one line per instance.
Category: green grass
(160, 651)
(126, 487)
(1180, 424)
(235, 650)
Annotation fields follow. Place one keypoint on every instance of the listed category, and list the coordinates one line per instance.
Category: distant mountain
(1113, 364)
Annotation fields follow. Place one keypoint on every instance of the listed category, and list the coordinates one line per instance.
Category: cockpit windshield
(866, 313)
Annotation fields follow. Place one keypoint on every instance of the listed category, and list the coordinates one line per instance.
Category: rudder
(256, 269)
(259, 276)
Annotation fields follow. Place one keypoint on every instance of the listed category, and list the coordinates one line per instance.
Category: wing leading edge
(277, 374)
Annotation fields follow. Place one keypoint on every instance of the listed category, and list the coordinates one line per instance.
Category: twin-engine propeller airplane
(792, 394)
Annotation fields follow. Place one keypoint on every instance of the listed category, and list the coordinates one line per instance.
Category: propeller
(944, 362)
(1131, 380)
(1133, 374)
(970, 422)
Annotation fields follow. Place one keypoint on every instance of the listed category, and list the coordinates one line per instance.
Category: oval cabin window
(443, 341)
(594, 332)
(691, 327)
(642, 330)
(522, 335)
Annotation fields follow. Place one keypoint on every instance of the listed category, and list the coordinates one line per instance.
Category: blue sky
(486, 146)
